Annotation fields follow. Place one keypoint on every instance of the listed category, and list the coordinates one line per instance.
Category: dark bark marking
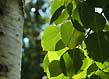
(3, 56)
(2, 33)
(2, 7)
(11, 53)
(3, 68)
(17, 35)
(1, 11)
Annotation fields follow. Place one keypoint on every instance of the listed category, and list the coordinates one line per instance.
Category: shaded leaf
(76, 15)
(86, 14)
(59, 45)
(94, 76)
(70, 8)
(93, 67)
(98, 46)
(67, 65)
(71, 62)
(96, 3)
(98, 23)
(106, 28)
(78, 26)
(77, 58)
(89, 18)
(106, 11)
(54, 68)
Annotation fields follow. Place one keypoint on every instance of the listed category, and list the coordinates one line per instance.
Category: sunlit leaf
(56, 55)
(70, 36)
(45, 63)
(55, 5)
(57, 14)
(64, 15)
(50, 37)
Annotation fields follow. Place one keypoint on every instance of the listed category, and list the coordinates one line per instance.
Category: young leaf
(70, 36)
(57, 14)
(50, 37)
(64, 15)
(56, 55)
(45, 63)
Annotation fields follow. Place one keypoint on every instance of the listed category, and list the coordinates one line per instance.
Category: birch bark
(11, 32)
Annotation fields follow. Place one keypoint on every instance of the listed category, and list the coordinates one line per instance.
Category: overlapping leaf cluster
(78, 40)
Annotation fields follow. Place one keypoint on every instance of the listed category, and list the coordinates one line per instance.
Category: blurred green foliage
(32, 51)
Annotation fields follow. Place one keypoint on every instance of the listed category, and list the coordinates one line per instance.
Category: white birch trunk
(11, 31)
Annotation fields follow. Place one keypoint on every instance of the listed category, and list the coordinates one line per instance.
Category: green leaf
(70, 36)
(54, 68)
(50, 37)
(57, 14)
(59, 45)
(90, 19)
(56, 55)
(78, 26)
(70, 8)
(98, 23)
(45, 63)
(71, 62)
(67, 65)
(61, 76)
(95, 3)
(92, 68)
(106, 11)
(102, 74)
(77, 58)
(86, 14)
(64, 15)
(94, 76)
(106, 28)
(98, 46)
(106, 67)
(76, 15)
(55, 5)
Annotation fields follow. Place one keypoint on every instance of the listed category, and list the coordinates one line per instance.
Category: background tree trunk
(11, 31)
